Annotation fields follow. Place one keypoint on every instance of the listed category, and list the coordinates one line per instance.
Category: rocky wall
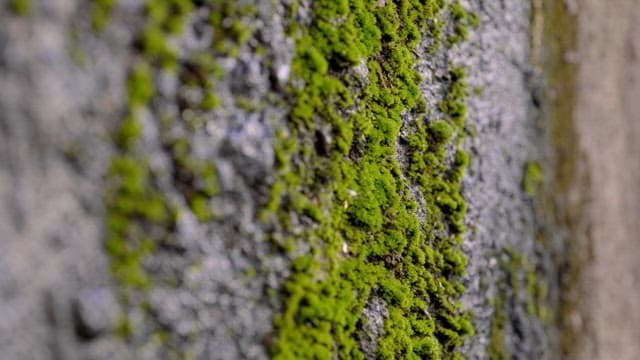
(288, 179)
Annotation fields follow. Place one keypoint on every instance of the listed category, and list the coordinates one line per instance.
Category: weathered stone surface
(63, 94)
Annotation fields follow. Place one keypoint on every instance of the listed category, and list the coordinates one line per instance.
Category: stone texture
(56, 118)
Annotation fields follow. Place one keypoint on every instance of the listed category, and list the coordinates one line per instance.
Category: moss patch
(141, 219)
(21, 7)
(497, 349)
(341, 207)
(338, 171)
(518, 285)
(532, 178)
(101, 13)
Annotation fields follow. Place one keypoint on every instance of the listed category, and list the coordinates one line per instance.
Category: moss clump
(360, 194)
(132, 209)
(195, 178)
(497, 349)
(462, 20)
(21, 7)
(537, 292)
(133, 205)
(140, 85)
(230, 29)
(209, 102)
(165, 18)
(532, 178)
(517, 285)
(101, 13)
(200, 208)
(441, 132)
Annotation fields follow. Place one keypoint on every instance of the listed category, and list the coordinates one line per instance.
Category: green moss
(355, 179)
(168, 15)
(200, 207)
(196, 178)
(21, 7)
(462, 20)
(517, 286)
(155, 46)
(209, 102)
(230, 29)
(140, 219)
(536, 292)
(245, 104)
(131, 206)
(123, 328)
(101, 13)
(508, 291)
(140, 86)
(532, 178)
(441, 132)
(135, 206)
(496, 349)
(128, 134)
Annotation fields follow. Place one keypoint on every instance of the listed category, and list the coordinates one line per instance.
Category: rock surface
(63, 95)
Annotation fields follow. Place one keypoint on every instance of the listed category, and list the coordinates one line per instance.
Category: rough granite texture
(62, 95)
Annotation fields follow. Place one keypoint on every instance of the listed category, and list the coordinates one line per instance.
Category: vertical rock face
(506, 259)
(238, 179)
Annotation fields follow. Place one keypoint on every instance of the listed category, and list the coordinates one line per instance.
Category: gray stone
(375, 314)
(56, 123)
(94, 311)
